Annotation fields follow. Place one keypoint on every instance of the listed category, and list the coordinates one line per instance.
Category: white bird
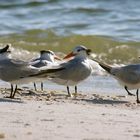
(128, 76)
(46, 58)
(19, 72)
(75, 70)
(96, 69)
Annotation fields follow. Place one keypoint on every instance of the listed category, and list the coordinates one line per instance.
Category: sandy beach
(102, 110)
(52, 115)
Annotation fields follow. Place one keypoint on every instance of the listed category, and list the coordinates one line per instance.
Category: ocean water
(114, 18)
(111, 28)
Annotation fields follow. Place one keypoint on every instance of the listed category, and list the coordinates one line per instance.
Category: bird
(47, 57)
(95, 69)
(76, 69)
(17, 72)
(128, 76)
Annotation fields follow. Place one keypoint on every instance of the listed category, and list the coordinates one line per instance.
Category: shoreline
(100, 84)
(54, 116)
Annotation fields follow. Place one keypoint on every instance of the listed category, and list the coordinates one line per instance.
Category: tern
(47, 57)
(20, 72)
(75, 70)
(128, 76)
(96, 69)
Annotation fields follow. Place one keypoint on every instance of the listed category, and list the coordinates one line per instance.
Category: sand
(53, 116)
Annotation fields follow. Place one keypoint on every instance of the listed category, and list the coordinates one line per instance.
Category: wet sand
(51, 115)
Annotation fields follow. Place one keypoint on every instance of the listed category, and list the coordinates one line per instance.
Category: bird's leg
(69, 94)
(14, 92)
(137, 93)
(129, 93)
(42, 86)
(75, 89)
(11, 91)
(68, 90)
(35, 86)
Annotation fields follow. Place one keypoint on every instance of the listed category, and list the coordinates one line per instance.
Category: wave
(13, 4)
(106, 48)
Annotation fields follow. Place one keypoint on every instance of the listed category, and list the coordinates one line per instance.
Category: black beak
(88, 51)
(5, 49)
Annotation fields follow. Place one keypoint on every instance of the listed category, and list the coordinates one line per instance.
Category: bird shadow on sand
(103, 101)
(15, 100)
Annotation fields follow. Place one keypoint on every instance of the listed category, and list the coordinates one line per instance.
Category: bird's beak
(57, 58)
(88, 51)
(69, 55)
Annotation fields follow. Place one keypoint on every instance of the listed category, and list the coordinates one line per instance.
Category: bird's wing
(18, 62)
(130, 74)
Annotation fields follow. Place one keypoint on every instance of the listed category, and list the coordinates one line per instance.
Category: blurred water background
(111, 28)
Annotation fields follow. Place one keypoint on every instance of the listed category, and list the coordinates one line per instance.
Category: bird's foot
(130, 94)
(138, 101)
(11, 97)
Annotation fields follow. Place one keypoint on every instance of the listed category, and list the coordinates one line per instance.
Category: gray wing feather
(130, 74)
(13, 70)
(74, 70)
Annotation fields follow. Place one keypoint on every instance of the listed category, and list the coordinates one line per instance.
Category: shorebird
(75, 70)
(128, 76)
(46, 58)
(96, 69)
(19, 72)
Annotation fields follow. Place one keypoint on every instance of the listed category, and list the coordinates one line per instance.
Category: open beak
(57, 58)
(69, 55)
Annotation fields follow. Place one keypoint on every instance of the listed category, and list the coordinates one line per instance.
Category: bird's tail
(104, 66)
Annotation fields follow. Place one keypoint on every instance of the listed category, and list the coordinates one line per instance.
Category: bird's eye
(78, 50)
